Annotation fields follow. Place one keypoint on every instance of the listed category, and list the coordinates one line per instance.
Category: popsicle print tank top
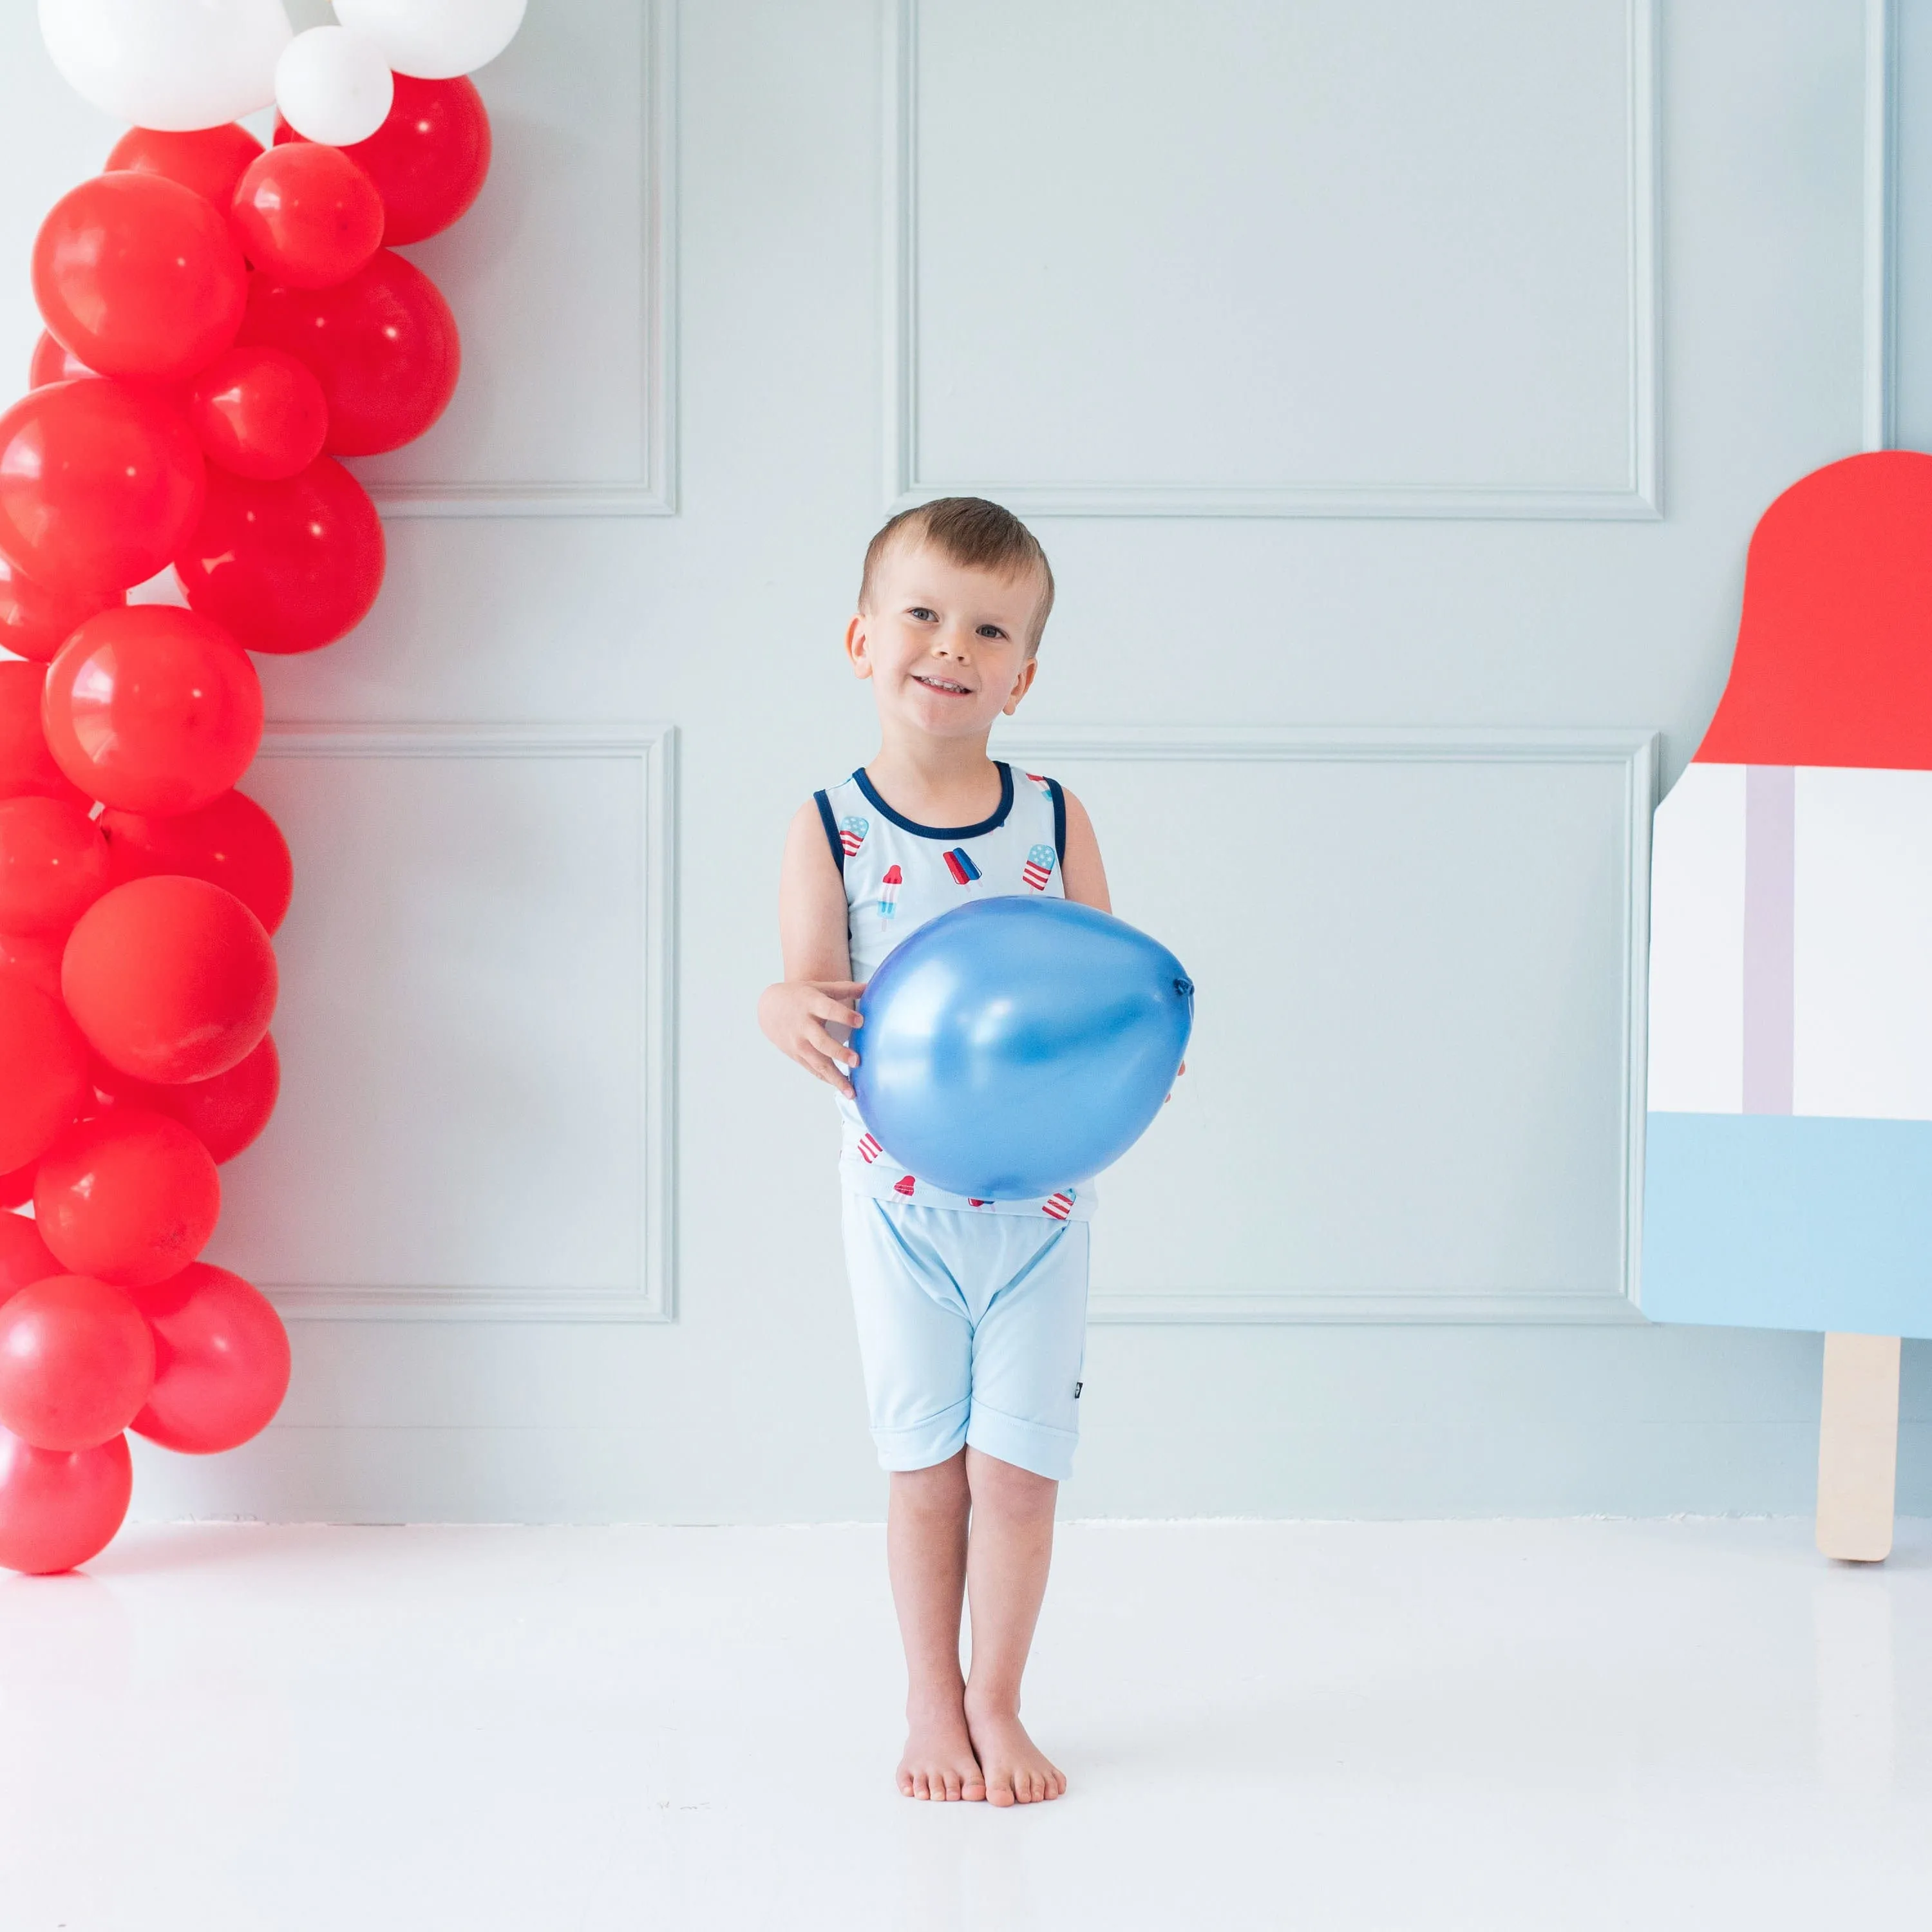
(899, 874)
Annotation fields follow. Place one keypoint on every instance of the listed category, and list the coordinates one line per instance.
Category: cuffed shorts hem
(1027, 1445)
(936, 1440)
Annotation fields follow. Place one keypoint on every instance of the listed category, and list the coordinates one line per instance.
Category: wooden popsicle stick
(1858, 1447)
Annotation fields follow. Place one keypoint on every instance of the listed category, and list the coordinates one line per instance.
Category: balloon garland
(223, 321)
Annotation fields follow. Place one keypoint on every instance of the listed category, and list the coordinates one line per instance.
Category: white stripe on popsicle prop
(1791, 946)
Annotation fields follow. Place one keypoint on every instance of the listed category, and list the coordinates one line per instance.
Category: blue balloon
(1015, 1046)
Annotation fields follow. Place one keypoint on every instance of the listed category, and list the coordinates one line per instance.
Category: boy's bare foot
(1017, 1771)
(939, 1762)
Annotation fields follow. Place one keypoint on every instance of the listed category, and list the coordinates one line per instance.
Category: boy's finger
(840, 1056)
(830, 1009)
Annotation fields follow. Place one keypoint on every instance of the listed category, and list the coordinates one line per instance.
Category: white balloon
(435, 39)
(175, 64)
(333, 86)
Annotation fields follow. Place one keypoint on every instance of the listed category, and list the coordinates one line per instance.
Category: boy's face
(945, 646)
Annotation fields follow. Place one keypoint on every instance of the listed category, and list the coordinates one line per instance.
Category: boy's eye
(990, 631)
(924, 615)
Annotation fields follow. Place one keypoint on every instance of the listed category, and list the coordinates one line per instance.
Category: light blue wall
(1430, 1121)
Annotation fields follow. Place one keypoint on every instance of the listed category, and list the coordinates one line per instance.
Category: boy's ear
(855, 651)
(1022, 686)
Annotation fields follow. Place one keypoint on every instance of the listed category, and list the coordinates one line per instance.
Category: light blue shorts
(973, 1329)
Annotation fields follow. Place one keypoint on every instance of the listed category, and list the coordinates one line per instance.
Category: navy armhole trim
(986, 825)
(825, 818)
(1059, 819)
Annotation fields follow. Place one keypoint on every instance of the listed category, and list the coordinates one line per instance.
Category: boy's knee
(1006, 1488)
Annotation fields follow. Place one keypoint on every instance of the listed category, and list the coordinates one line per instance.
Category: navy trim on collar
(1059, 797)
(831, 825)
(986, 825)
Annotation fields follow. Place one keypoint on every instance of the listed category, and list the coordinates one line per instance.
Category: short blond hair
(975, 535)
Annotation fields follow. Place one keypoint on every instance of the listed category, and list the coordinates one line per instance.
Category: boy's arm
(1081, 871)
(817, 987)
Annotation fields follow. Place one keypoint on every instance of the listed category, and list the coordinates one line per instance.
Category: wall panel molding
(1880, 370)
(1634, 754)
(654, 493)
(907, 481)
(653, 748)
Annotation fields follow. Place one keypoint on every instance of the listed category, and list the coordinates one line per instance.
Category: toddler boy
(972, 1314)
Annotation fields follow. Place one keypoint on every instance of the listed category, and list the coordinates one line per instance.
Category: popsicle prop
(1788, 1179)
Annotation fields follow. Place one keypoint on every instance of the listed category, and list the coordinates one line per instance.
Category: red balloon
(225, 1114)
(287, 566)
(259, 412)
(170, 979)
(27, 767)
(45, 1061)
(139, 276)
(127, 1197)
(34, 957)
(232, 842)
(152, 708)
(382, 344)
(98, 485)
(427, 160)
(16, 1189)
(58, 1508)
(76, 1362)
(25, 1258)
(53, 864)
(210, 161)
(52, 363)
(35, 621)
(307, 215)
(221, 1359)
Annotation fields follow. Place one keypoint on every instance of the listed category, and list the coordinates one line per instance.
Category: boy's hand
(794, 1014)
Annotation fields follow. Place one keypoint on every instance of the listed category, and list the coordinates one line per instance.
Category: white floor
(1555, 1725)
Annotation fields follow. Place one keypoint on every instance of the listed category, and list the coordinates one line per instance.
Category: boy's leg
(925, 1554)
(1006, 1560)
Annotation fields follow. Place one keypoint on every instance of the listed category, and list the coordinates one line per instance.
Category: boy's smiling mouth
(945, 686)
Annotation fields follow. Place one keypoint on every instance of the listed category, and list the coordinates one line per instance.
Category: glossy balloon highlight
(151, 708)
(307, 215)
(139, 276)
(99, 484)
(222, 1361)
(258, 413)
(285, 566)
(383, 345)
(76, 1362)
(127, 1197)
(1014, 1047)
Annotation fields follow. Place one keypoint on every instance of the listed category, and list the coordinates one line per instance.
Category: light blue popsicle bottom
(1788, 1221)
